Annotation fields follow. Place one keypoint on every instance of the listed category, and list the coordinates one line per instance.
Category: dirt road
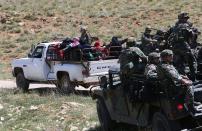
(10, 84)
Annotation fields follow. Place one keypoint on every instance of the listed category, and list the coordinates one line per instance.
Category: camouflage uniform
(131, 42)
(160, 37)
(182, 50)
(129, 59)
(151, 77)
(180, 38)
(148, 43)
(130, 63)
(150, 69)
(183, 19)
(168, 75)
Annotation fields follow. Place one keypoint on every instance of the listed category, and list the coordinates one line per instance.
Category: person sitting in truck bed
(85, 38)
(100, 51)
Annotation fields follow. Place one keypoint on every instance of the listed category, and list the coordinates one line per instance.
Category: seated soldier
(168, 73)
(148, 92)
(131, 61)
(153, 61)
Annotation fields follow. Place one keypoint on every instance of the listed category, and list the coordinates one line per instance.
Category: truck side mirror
(103, 82)
(29, 55)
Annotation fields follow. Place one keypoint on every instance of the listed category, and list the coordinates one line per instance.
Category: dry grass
(24, 22)
(35, 111)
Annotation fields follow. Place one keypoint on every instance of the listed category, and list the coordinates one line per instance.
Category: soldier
(148, 43)
(151, 76)
(168, 75)
(153, 61)
(183, 19)
(160, 37)
(131, 61)
(182, 50)
(181, 38)
(131, 42)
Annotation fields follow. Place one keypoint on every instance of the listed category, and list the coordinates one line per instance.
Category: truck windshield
(38, 52)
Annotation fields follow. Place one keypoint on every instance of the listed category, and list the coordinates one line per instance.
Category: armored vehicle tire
(21, 82)
(64, 85)
(104, 117)
(161, 123)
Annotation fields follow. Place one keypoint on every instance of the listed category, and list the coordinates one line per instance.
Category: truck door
(38, 68)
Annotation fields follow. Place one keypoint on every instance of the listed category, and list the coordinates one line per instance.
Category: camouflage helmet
(131, 39)
(153, 56)
(166, 53)
(183, 15)
(148, 29)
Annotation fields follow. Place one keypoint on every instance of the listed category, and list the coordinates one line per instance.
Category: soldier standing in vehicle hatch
(181, 38)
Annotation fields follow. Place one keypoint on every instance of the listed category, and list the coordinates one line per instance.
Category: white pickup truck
(66, 74)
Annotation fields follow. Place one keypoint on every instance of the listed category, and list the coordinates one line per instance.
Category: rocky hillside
(24, 22)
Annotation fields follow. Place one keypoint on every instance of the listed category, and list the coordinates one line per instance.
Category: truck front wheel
(161, 123)
(65, 85)
(104, 117)
(21, 82)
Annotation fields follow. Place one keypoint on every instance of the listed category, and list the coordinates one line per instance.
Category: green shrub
(31, 17)
(50, 14)
(7, 51)
(15, 30)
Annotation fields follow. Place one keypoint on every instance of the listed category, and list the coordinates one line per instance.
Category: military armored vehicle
(144, 104)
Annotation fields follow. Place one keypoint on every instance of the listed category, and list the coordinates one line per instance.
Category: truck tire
(21, 82)
(65, 86)
(104, 117)
(161, 123)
